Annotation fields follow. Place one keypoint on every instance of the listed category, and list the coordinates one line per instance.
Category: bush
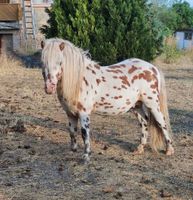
(112, 30)
(170, 51)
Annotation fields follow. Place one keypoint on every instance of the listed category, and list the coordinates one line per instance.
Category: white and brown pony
(83, 86)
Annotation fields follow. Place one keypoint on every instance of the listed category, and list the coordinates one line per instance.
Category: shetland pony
(83, 86)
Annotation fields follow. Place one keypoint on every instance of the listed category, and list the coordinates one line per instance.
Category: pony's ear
(42, 44)
(62, 45)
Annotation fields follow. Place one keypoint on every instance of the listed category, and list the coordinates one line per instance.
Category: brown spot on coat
(88, 68)
(118, 97)
(134, 78)
(97, 66)
(103, 79)
(123, 86)
(132, 69)
(155, 85)
(80, 107)
(106, 107)
(124, 80)
(128, 102)
(154, 70)
(93, 72)
(114, 71)
(146, 75)
(102, 98)
(86, 82)
(149, 97)
(117, 66)
(98, 81)
(106, 103)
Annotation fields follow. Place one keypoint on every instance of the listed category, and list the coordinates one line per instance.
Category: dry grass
(172, 56)
(9, 64)
(36, 163)
(188, 56)
(185, 61)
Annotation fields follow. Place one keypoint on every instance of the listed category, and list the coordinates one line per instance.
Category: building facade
(20, 21)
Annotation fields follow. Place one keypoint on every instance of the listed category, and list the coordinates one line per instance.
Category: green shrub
(170, 51)
(111, 30)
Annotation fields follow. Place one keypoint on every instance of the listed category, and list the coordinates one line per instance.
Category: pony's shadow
(12, 118)
(29, 61)
(181, 121)
(112, 139)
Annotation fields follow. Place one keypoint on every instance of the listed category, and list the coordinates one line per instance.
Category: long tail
(157, 140)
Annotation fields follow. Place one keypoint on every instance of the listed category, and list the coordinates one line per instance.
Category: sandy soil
(36, 162)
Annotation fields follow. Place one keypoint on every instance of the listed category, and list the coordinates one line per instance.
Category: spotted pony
(83, 87)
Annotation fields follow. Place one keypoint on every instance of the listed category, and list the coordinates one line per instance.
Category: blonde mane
(74, 64)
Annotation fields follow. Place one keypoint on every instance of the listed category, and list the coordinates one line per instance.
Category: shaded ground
(36, 163)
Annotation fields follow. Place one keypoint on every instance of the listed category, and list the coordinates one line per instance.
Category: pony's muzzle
(50, 88)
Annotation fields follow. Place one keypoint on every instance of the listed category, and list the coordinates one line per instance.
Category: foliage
(48, 30)
(184, 18)
(112, 30)
(170, 53)
(173, 15)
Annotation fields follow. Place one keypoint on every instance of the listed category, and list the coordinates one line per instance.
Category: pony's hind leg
(73, 121)
(161, 122)
(142, 118)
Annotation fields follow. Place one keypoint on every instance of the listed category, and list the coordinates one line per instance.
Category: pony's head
(52, 59)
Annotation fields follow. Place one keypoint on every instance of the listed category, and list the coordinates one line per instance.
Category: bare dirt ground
(36, 162)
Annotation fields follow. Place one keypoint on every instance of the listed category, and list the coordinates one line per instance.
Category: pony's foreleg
(142, 118)
(85, 122)
(73, 121)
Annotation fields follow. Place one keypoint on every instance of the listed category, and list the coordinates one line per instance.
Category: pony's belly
(112, 109)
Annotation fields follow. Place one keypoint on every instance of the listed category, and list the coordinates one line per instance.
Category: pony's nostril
(53, 84)
(58, 76)
(49, 77)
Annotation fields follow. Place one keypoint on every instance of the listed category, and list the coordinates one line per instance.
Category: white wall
(180, 40)
(182, 43)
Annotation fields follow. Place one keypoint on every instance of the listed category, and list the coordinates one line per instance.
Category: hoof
(139, 150)
(170, 151)
(74, 148)
(86, 158)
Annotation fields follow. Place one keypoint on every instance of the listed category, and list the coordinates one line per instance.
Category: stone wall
(14, 39)
(41, 18)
